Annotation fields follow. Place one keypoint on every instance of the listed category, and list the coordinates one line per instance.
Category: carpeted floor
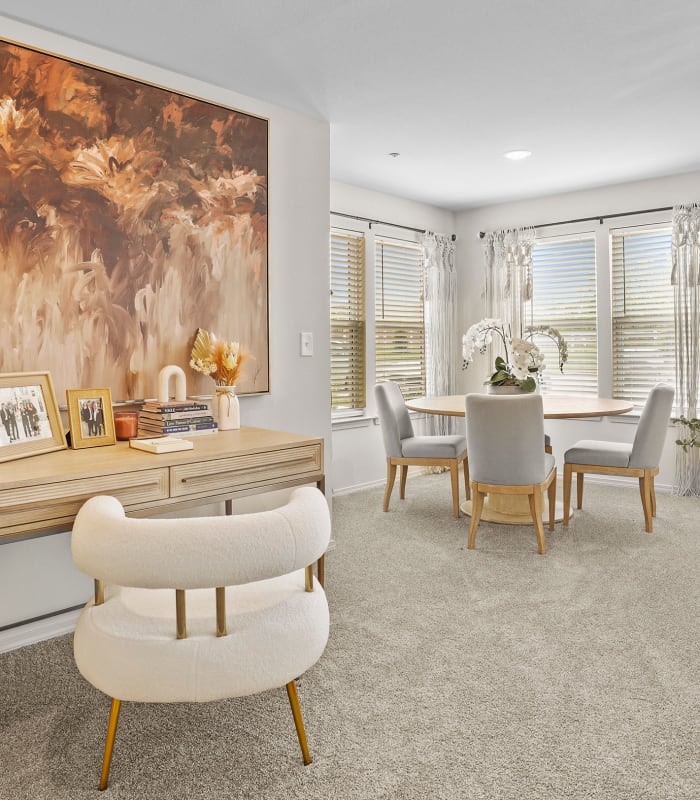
(485, 674)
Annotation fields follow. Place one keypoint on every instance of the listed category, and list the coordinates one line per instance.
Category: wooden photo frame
(30, 422)
(91, 417)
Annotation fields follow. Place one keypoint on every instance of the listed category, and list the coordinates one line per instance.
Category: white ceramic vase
(492, 389)
(228, 410)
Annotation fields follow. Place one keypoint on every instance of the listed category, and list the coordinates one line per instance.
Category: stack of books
(175, 417)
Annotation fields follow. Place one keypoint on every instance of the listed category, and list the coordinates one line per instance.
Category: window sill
(350, 422)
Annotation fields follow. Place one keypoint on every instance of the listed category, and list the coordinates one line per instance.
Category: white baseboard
(358, 487)
(619, 481)
(38, 631)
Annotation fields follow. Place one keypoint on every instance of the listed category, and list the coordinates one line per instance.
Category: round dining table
(555, 406)
(515, 509)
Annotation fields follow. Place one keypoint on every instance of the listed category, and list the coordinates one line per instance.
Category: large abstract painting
(130, 216)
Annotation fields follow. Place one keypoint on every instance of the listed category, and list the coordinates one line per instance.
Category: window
(564, 297)
(642, 311)
(399, 304)
(347, 263)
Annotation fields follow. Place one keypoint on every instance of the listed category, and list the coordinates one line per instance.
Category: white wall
(358, 457)
(37, 576)
(616, 199)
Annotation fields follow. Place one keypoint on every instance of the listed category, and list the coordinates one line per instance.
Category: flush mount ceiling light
(517, 155)
(394, 155)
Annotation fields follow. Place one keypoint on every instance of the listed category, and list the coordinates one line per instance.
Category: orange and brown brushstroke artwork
(130, 216)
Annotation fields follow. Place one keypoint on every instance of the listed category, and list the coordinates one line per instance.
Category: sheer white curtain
(508, 275)
(440, 327)
(685, 277)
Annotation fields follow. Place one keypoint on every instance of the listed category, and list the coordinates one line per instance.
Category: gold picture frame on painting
(30, 422)
(91, 418)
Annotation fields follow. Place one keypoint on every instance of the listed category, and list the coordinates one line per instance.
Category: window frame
(602, 231)
(351, 418)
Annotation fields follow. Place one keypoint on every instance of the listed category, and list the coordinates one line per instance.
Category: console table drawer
(239, 472)
(47, 506)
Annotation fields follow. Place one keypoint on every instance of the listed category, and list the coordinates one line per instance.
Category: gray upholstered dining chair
(403, 447)
(638, 460)
(504, 446)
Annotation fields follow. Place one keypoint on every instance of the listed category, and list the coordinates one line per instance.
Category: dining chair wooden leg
(536, 505)
(454, 477)
(653, 497)
(567, 492)
(402, 485)
(477, 508)
(467, 490)
(579, 490)
(390, 478)
(645, 491)
(552, 496)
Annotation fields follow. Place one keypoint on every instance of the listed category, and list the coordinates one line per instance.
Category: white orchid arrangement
(523, 363)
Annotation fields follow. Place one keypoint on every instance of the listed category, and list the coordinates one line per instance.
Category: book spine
(164, 419)
(201, 416)
(171, 409)
(178, 428)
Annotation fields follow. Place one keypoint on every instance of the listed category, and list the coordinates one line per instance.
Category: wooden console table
(42, 494)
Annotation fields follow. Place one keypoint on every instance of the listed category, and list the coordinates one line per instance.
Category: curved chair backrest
(393, 417)
(504, 439)
(651, 431)
(199, 552)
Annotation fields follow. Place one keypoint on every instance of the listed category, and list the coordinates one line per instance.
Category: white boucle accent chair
(504, 443)
(403, 447)
(638, 460)
(247, 613)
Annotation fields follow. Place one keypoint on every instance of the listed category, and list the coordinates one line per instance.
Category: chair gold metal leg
(477, 508)
(454, 476)
(321, 570)
(567, 492)
(109, 743)
(402, 485)
(390, 478)
(298, 721)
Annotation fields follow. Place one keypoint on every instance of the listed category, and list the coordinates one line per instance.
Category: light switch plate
(306, 347)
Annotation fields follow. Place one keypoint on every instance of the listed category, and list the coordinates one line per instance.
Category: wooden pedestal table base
(512, 509)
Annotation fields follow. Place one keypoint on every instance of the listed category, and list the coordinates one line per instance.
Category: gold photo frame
(30, 422)
(91, 417)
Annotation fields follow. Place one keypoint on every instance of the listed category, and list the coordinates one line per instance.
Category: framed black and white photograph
(91, 418)
(30, 422)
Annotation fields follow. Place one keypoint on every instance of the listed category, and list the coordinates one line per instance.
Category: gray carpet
(485, 674)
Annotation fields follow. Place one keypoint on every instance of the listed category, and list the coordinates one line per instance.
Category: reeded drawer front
(238, 472)
(44, 506)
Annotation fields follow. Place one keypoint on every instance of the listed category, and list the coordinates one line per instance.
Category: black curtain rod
(600, 218)
(382, 222)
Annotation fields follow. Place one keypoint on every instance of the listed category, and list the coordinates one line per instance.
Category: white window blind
(399, 319)
(642, 311)
(564, 297)
(347, 263)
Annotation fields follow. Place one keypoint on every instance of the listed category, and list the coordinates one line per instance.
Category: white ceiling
(602, 91)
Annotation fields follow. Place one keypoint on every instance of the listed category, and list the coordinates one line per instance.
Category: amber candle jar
(126, 424)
